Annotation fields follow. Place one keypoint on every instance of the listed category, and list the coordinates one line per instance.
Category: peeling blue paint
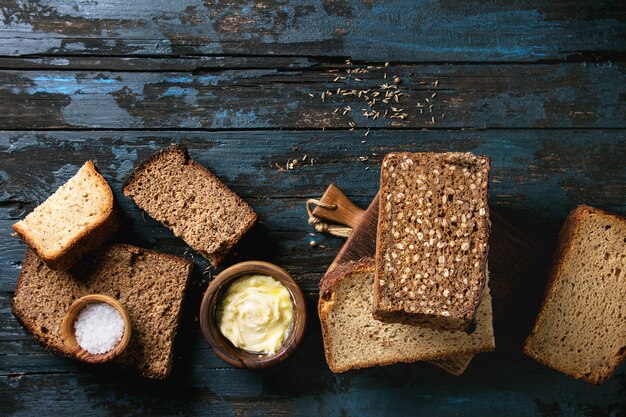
(176, 92)
(71, 85)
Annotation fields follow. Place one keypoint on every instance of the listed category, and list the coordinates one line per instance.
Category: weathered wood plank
(461, 96)
(171, 64)
(415, 389)
(538, 176)
(369, 30)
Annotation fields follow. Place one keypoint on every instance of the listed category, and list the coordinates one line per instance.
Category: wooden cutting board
(362, 241)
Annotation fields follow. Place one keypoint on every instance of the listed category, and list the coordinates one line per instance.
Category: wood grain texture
(539, 84)
(367, 30)
(538, 176)
(466, 96)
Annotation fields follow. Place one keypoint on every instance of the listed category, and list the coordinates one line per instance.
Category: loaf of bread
(78, 218)
(190, 200)
(148, 284)
(354, 339)
(433, 231)
(581, 328)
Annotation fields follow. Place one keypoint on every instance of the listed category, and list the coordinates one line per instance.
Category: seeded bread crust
(391, 306)
(150, 285)
(325, 305)
(85, 242)
(568, 235)
(247, 216)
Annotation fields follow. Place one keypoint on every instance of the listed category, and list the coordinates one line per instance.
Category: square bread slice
(432, 238)
(78, 218)
(150, 285)
(581, 328)
(191, 201)
(354, 339)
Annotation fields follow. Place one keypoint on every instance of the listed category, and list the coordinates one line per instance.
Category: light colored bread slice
(190, 200)
(150, 286)
(433, 231)
(581, 328)
(78, 218)
(354, 339)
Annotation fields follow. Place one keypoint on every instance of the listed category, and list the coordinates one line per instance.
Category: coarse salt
(99, 327)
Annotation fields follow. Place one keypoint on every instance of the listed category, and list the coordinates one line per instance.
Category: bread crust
(87, 241)
(327, 284)
(52, 344)
(566, 237)
(220, 253)
(398, 315)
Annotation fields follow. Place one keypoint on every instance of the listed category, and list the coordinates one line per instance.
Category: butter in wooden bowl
(253, 315)
(256, 314)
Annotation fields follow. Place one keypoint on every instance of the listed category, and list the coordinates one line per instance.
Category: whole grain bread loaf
(354, 339)
(150, 286)
(581, 328)
(433, 231)
(78, 218)
(190, 200)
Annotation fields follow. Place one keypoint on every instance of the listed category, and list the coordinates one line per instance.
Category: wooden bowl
(69, 335)
(221, 345)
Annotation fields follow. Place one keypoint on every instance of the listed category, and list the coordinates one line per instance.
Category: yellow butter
(256, 313)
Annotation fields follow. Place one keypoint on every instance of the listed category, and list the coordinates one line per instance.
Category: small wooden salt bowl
(69, 335)
(221, 345)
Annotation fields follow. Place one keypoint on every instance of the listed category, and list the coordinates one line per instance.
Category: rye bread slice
(433, 231)
(150, 285)
(581, 328)
(354, 339)
(191, 201)
(77, 219)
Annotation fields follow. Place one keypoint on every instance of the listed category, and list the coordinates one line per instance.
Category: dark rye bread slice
(77, 219)
(191, 201)
(581, 328)
(150, 285)
(433, 231)
(354, 339)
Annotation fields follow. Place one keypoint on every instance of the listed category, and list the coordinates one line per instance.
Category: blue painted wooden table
(539, 86)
